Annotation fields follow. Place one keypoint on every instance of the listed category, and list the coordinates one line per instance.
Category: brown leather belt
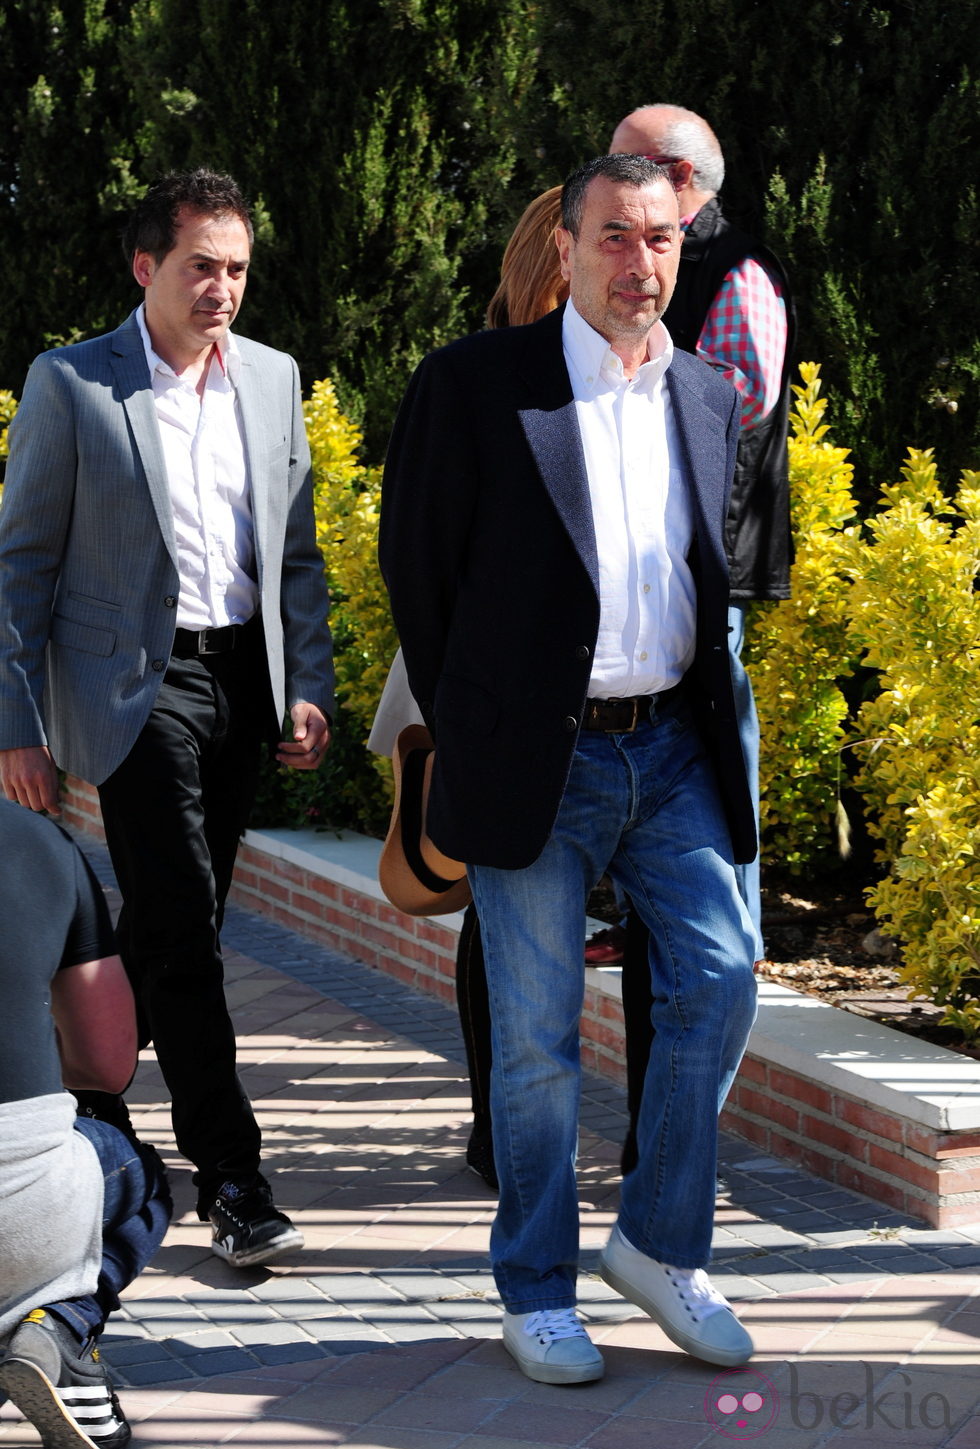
(190, 643)
(621, 716)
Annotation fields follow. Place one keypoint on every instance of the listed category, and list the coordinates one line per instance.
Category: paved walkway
(384, 1332)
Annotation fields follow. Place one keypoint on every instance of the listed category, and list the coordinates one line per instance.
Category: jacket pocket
(69, 634)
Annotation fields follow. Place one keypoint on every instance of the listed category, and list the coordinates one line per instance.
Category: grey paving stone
(219, 1361)
(965, 1256)
(141, 1375)
(273, 1353)
(146, 1350)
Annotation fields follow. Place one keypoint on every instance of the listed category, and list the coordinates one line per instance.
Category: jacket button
(571, 723)
(582, 652)
(170, 601)
(158, 664)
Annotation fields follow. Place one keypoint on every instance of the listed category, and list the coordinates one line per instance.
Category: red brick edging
(794, 1113)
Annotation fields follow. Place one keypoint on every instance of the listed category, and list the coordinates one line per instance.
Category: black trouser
(174, 811)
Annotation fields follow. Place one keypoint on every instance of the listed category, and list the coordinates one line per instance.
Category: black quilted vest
(757, 532)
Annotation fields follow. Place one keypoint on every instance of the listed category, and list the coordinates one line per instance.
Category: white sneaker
(552, 1347)
(684, 1301)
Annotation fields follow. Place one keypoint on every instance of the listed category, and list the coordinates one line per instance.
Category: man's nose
(641, 258)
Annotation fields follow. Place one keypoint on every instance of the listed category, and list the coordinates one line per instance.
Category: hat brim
(413, 873)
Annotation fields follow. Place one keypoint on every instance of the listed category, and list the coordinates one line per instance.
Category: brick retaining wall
(849, 1100)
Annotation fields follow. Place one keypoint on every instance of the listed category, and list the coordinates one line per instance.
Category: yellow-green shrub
(8, 406)
(347, 500)
(915, 614)
(797, 651)
(352, 787)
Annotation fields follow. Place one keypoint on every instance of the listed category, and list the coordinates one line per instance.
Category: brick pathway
(384, 1332)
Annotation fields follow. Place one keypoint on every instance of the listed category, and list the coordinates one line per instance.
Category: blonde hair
(531, 282)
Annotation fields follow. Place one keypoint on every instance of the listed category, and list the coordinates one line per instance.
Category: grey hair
(689, 138)
(626, 170)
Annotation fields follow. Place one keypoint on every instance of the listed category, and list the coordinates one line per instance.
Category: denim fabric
(645, 807)
(748, 733)
(136, 1210)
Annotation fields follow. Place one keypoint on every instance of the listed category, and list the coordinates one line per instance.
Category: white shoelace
(553, 1323)
(697, 1292)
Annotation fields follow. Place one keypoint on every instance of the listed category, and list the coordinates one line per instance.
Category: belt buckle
(202, 642)
(635, 701)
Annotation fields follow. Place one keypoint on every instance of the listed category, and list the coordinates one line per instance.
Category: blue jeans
(136, 1210)
(748, 733)
(645, 807)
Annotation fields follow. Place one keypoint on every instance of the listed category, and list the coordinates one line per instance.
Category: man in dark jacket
(732, 307)
(552, 537)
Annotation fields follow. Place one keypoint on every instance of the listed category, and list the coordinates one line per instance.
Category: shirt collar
(229, 356)
(595, 362)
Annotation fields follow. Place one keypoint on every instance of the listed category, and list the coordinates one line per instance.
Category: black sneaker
(61, 1387)
(479, 1158)
(247, 1227)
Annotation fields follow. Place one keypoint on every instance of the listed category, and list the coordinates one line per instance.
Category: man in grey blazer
(552, 536)
(162, 608)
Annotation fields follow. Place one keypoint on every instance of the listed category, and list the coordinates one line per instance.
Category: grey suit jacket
(88, 570)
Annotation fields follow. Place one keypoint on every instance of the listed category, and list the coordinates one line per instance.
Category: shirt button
(158, 664)
(646, 588)
(644, 654)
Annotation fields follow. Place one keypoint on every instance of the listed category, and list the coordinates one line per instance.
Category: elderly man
(162, 605)
(552, 537)
(732, 306)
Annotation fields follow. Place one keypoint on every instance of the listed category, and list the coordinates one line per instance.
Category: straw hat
(413, 873)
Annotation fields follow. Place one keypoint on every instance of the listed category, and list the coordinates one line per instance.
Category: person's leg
(51, 1368)
(637, 1024)
(154, 815)
(473, 1004)
(136, 1210)
(533, 928)
(675, 863)
(748, 875)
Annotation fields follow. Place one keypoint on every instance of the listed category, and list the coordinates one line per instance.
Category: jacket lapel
(136, 396)
(256, 430)
(552, 432)
(702, 436)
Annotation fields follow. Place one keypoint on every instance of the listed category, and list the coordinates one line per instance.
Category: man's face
(622, 267)
(194, 293)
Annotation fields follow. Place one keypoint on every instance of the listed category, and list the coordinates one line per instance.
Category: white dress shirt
(641, 511)
(207, 469)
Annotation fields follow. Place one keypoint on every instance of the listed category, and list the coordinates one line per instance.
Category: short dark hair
(153, 225)
(628, 170)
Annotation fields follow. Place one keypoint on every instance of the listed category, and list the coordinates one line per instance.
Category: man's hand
(311, 738)
(29, 776)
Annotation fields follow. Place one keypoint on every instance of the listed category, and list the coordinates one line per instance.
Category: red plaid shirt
(744, 336)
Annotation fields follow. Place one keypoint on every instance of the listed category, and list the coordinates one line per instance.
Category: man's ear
(681, 174)
(143, 268)
(563, 241)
